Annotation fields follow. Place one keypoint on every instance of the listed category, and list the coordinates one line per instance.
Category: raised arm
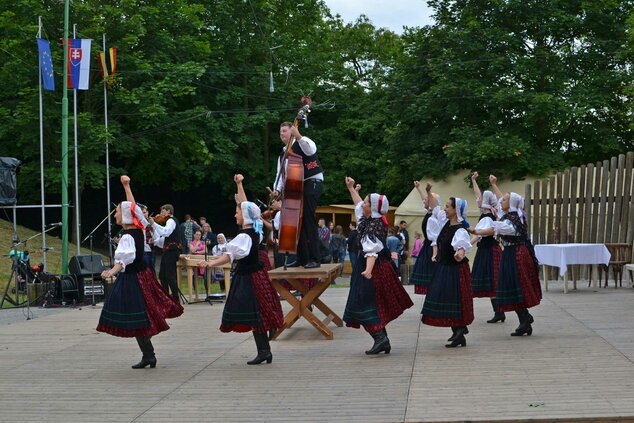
(494, 186)
(420, 191)
(354, 192)
(474, 182)
(431, 202)
(240, 196)
(125, 181)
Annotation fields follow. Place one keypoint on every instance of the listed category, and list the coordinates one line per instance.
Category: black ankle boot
(459, 338)
(453, 330)
(381, 343)
(525, 323)
(499, 315)
(146, 361)
(264, 349)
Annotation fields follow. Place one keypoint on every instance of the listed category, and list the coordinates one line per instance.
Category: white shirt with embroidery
(125, 252)
(239, 247)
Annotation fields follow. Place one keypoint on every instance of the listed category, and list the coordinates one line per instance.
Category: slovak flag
(78, 63)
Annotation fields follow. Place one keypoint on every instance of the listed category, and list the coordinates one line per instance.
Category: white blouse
(461, 239)
(239, 247)
(504, 227)
(125, 252)
(370, 248)
(159, 233)
(485, 223)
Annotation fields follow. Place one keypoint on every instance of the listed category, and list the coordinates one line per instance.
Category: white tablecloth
(561, 255)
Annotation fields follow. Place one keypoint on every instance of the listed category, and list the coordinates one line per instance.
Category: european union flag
(46, 64)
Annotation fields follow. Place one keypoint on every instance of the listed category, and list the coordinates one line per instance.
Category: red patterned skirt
(137, 306)
(373, 303)
(252, 305)
(486, 267)
(449, 301)
(519, 286)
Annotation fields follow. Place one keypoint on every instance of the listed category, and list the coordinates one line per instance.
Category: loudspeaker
(86, 265)
(8, 189)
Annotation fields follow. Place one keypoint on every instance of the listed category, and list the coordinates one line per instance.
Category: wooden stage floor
(578, 365)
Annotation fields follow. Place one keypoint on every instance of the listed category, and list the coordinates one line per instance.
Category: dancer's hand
(357, 187)
(125, 180)
(366, 274)
(238, 178)
(349, 182)
(474, 175)
(428, 187)
(459, 256)
(493, 180)
(417, 184)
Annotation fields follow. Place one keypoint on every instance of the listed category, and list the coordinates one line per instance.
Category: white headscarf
(223, 237)
(131, 214)
(488, 201)
(516, 204)
(379, 205)
(251, 215)
(461, 211)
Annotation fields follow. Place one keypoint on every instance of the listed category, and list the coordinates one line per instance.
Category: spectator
(197, 246)
(219, 249)
(418, 244)
(353, 245)
(395, 245)
(188, 227)
(402, 232)
(338, 247)
(324, 238)
(208, 236)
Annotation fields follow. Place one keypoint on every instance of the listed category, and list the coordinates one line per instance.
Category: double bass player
(308, 252)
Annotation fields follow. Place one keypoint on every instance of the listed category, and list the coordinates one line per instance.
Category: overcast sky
(391, 14)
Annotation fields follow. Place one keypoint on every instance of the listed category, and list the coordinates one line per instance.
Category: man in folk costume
(136, 306)
(168, 238)
(308, 252)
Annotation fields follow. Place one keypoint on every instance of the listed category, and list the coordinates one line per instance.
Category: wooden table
(294, 275)
(190, 262)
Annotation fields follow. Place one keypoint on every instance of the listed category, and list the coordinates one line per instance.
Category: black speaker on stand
(8, 180)
(88, 268)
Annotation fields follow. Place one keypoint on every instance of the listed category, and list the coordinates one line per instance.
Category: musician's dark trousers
(167, 272)
(308, 248)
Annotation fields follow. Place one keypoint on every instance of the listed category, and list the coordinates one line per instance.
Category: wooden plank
(626, 217)
(558, 208)
(552, 233)
(596, 201)
(581, 204)
(601, 232)
(609, 211)
(565, 200)
(617, 234)
(587, 209)
(573, 211)
(630, 230)
(543, 229)
(536, 212)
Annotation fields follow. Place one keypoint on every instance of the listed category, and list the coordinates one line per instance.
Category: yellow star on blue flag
(46, 64)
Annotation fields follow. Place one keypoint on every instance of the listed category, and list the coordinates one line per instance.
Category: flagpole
(42, 208)
(77, 211)
(105, 113)
(64, 170)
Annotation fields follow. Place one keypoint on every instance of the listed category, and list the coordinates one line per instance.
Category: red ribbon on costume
(380, 207)
(135, 219)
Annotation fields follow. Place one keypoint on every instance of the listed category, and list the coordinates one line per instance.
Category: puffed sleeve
(485, 223)
(433, 230)
(239, 247)
(461, 239)
(504, 227)
(126, 251)
(358, 211)
(371, 248)
(440, 215)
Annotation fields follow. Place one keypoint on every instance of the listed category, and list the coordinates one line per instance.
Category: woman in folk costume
(424, 266)
(518, 280)
(486, 263)
(252, 303)
(376, 294)
(137, 306)
(449, 300)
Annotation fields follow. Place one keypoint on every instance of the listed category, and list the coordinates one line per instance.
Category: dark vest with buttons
(312, 164)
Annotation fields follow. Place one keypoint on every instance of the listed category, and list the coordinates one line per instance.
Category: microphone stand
(90, 236)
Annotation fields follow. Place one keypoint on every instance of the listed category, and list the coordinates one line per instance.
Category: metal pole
(43, 209)
(64, 170)
(105, 113)
(77, 211)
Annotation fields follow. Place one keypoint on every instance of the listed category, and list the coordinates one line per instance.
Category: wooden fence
(586, 204)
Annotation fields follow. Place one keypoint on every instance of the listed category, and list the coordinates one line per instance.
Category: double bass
(293, 195)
